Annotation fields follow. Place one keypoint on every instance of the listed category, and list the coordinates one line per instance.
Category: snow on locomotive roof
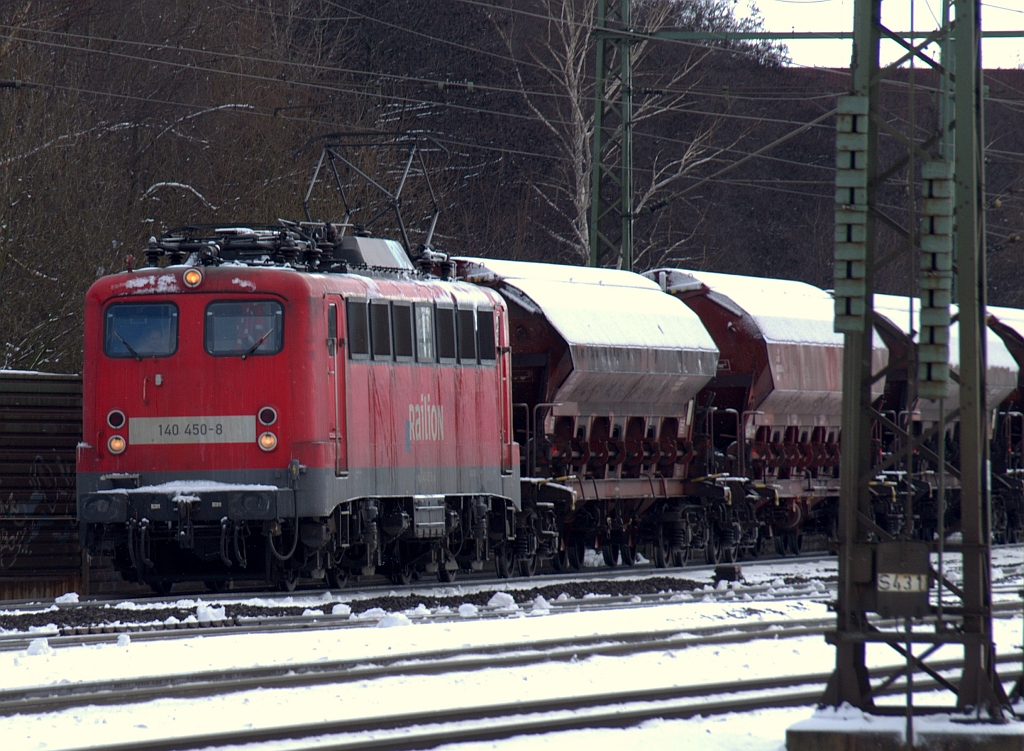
(784, 310)
(630, 311)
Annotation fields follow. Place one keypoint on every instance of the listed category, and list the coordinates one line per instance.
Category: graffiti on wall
(46, 513)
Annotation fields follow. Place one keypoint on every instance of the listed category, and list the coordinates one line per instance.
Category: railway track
(110, 632)
(379, 586)
(103, 633)
(426, 662)
(490, 722)
(430, 662)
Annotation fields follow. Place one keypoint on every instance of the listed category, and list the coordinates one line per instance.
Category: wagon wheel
(781, 545)
(611, 555)
(680, 556)
(662, 550)
(576, 552)
(560, 560)
(713, 548)
(528, 565)
(627, 554)
(504, 560)
(795, 543)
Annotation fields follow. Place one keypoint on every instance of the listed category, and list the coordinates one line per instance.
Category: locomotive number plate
(225, 429)
(902, 582)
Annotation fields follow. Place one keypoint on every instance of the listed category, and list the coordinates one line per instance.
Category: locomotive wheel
(288, 581)
(400, 574)
(528, 565)
(447, 575)
(337, 578)
(504, 560)
(161, 587)
(216, 586)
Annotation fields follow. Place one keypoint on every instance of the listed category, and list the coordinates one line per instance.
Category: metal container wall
(1008, 323)
(798, 379)
(40, 426)
(632, 349)
(1002, 372)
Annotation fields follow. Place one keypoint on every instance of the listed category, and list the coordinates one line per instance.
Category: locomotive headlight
(116, 444)
(267, 441)
(192, 278)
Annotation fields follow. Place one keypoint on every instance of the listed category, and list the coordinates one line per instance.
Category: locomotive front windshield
(241, 329)
(141, 330)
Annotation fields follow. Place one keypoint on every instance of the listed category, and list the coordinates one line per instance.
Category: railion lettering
(426, 420)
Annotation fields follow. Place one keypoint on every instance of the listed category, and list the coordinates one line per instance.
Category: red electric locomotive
(247, 419)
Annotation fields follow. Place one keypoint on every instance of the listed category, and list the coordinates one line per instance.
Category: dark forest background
(120, 119)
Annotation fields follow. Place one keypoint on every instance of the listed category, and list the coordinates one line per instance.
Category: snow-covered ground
(79, 728)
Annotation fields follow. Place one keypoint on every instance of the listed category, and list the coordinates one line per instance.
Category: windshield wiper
(127, 346)
(258, 344)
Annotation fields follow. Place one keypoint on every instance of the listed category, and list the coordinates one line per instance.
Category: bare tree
(552, 42)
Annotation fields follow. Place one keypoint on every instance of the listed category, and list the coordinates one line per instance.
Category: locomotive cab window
(358, 329)
(485, 334)
(467, 336)
(244, 329)
(401, 314)
(425, 351)
(446, 334)
(141, 330)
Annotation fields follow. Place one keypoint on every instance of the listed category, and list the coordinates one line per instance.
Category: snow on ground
(399, 635)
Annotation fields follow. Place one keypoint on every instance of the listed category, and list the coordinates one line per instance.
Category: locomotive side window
(485, 334)
(467, 336)
(141, 330)
(425, 333)
(446, 334)
(402, 315)
(244, 329)
(332, 328)
(358, 328)
(380, 327)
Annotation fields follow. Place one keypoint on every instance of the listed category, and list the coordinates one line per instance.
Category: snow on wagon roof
(631, 344)
(785, 311)
(629, 311)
